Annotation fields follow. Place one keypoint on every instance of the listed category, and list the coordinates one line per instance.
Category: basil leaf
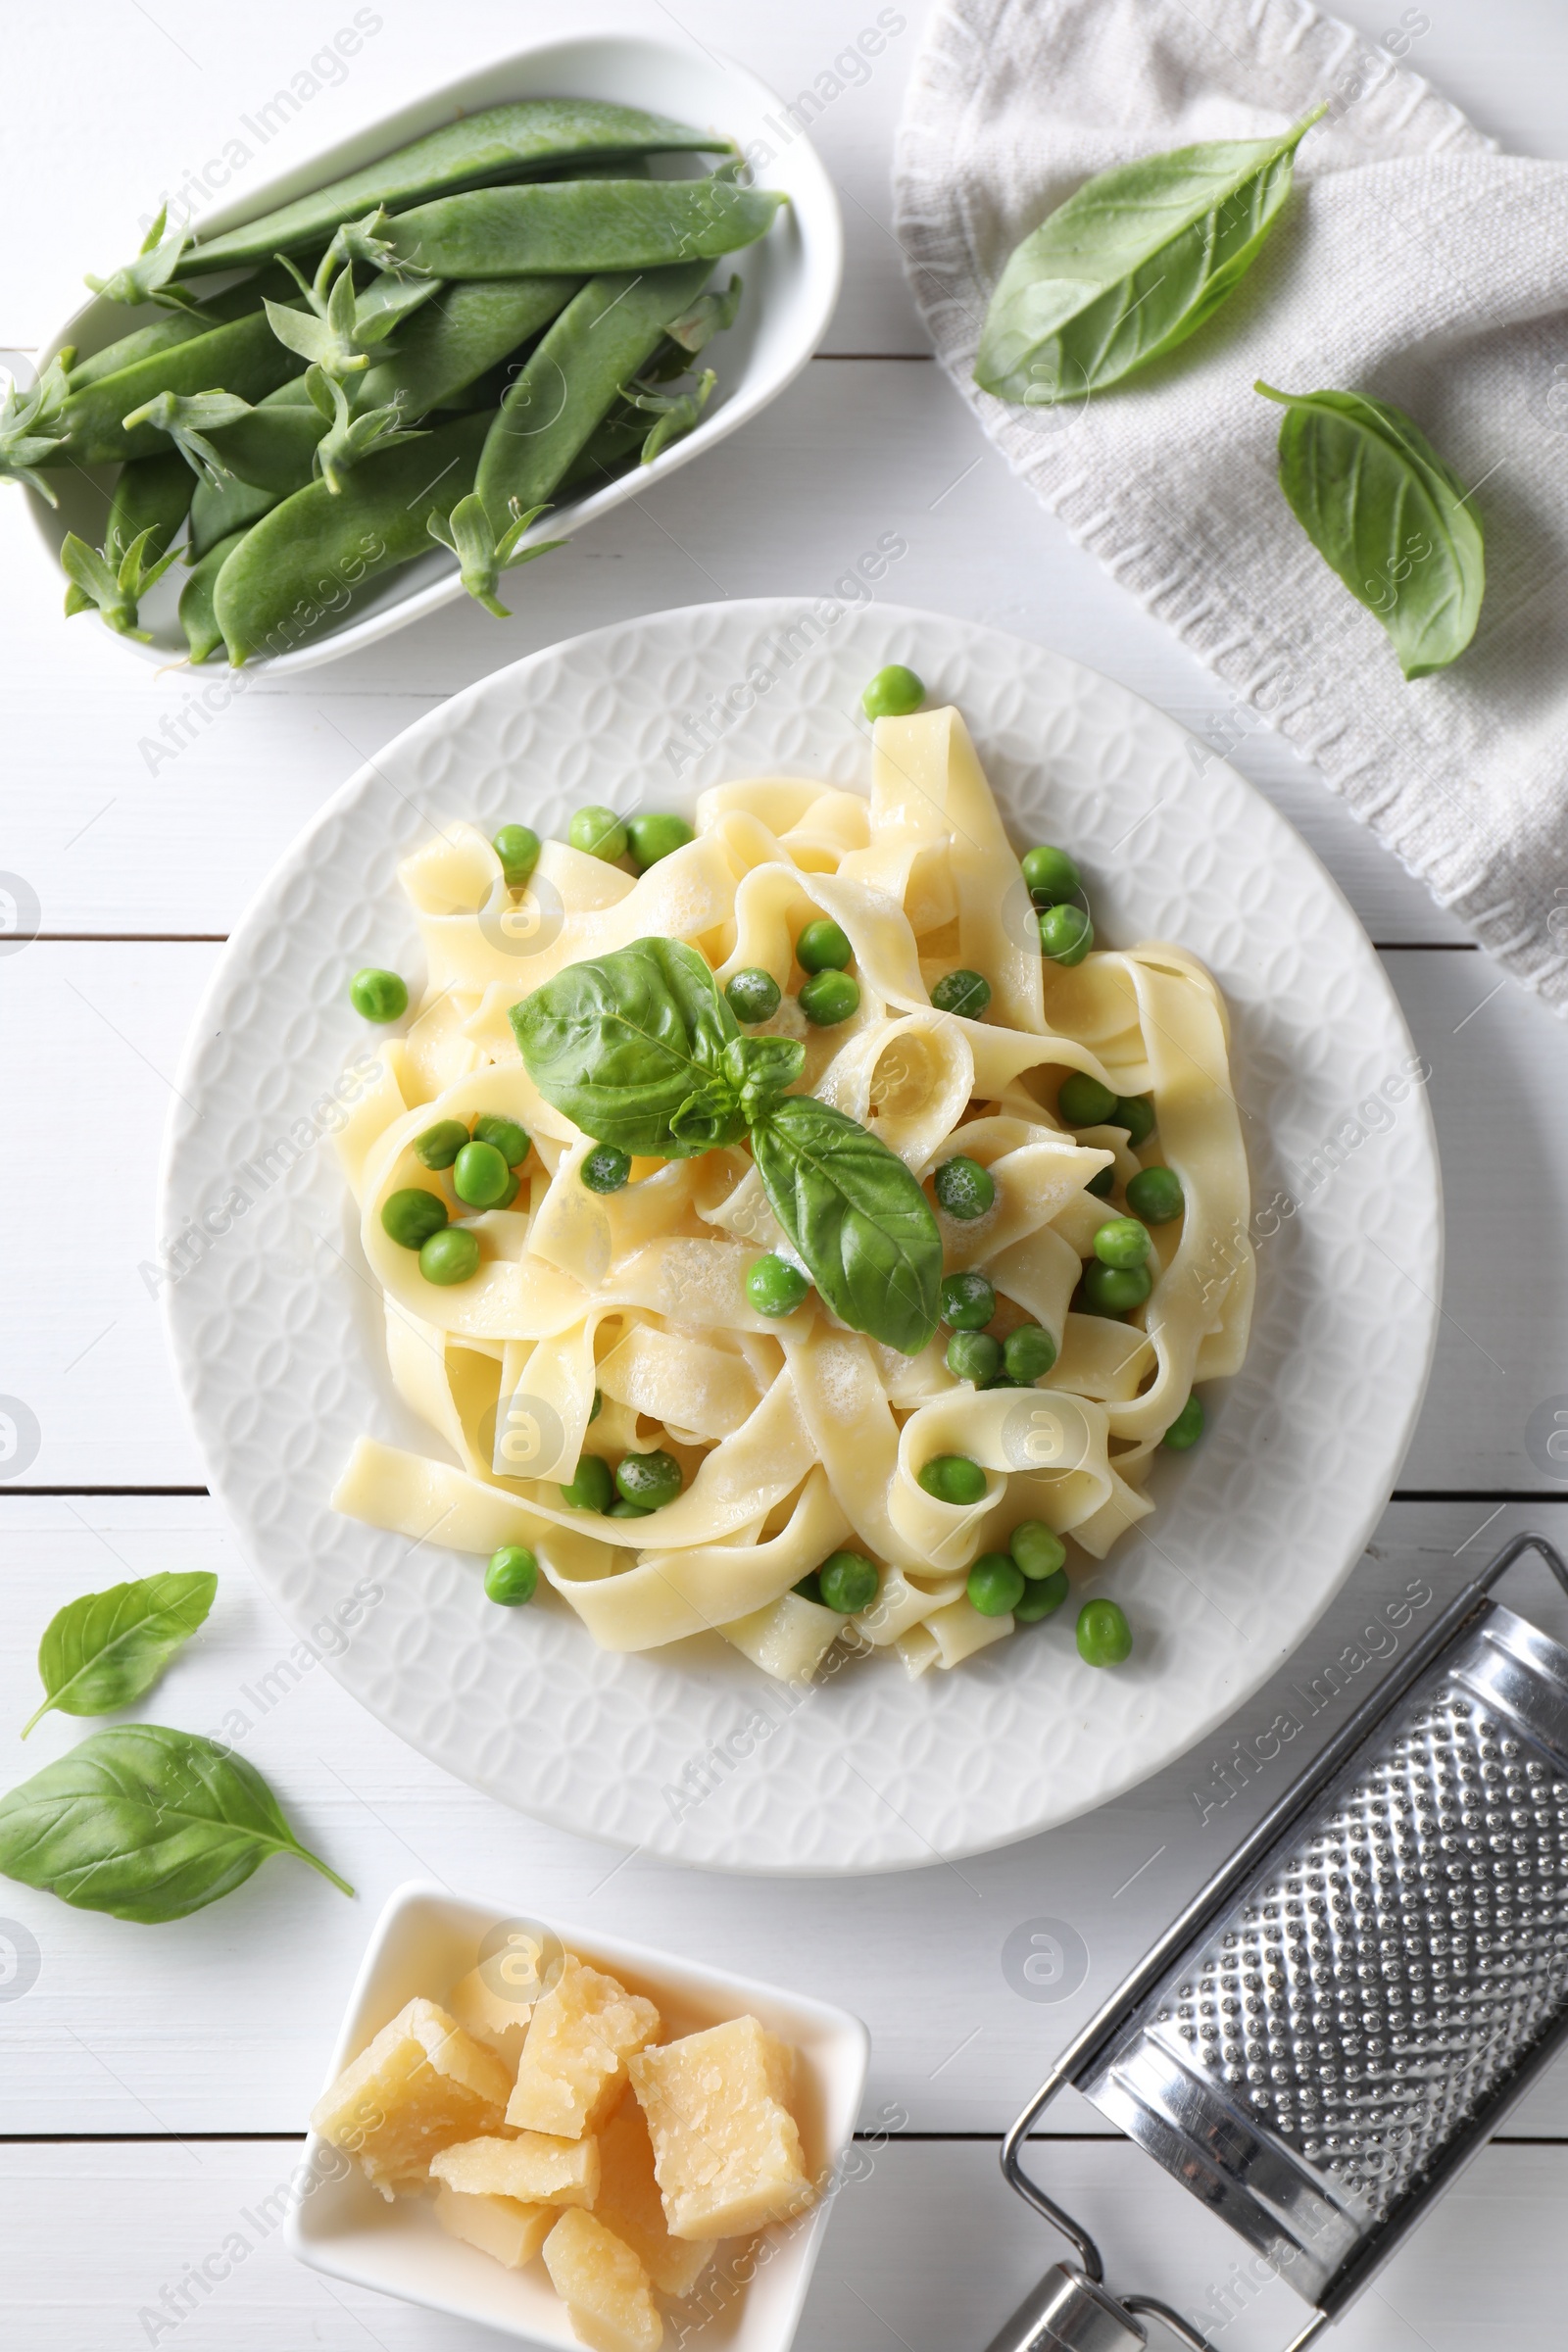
(761, 1068)
(858, 1218)
(1130, 266)
(145, 1824)
(1388, 514)
(631, 1047)
(103, 1651)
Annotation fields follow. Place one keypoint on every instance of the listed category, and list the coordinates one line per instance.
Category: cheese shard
(499, 2226)
(533, 2167)
(726, 2150)
(491, 2016)
(604, 2286)
(574, 2064)
(628, 2202)
(422, 2084)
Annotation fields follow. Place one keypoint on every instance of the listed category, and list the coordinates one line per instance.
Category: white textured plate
(690, 1752)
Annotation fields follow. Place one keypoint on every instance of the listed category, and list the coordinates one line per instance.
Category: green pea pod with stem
(245, 356)
(239, 300)
(351, 433)
(676, 412)
(1132, 263)
(106, 1650)
(197, 616)
(304, 562)
(481, 557)
(1390, 515)
(609, 449)
(339, 328)
(188, 417)
(217, 515)
(579, 226)
(710, 314)
(148, 278)
(604, 336)
(499, 142)
(32, 431)
(151, 494)
(110, 584)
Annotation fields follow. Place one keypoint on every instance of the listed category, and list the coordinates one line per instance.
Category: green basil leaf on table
(105, 1649)
(146, 1824)
(631, 1047)
(1390, 515)
(1132, 263)
(860, 1222)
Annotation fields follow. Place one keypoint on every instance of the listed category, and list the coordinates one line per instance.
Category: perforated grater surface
(1346, 2011)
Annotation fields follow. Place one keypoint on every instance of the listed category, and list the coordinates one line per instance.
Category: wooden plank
(927, 2250)
(959, 2040)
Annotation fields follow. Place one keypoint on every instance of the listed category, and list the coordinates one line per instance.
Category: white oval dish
(690, 1752)
(791, 278)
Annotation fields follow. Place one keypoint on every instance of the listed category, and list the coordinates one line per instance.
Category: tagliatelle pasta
(797, 1435)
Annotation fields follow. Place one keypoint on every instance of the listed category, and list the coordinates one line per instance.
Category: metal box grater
(1345, 2013)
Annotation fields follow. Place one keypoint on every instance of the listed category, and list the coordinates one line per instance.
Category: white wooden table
(155, 2081)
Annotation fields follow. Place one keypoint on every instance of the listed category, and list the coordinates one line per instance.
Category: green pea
(829, 997)
(1122, 1243)
(1066, 934)
(953, 1478)
(1102, 1185)
(510, 1195)
(621, 1508)
(1114, 1290)
(1104, 1638)
(653, 835)
(964, 1189)
(1134, 1112)
(480, 1176)
(378, 995)
(508, 1138)
(967, 1302)
(1050, 875)
(823, 948)
(848, 1581)
(517, 848)
(996, 1585)
(1038, 1549)
(1043, 1599)
(1156, 1196)
(512, 1577)
(438, 1146)
(809, 1587)
(1029, 1352)
(962, 992)
(597, 1406)
(410, 1217)
(606, 1169)
(894, 693)
(649, 1479)
(1082, 1102)
(593, 1486)
(774, 1287)
(598, 833)
(449, 1257)
(973, 1355)
(754, 995)
(1186, 1427)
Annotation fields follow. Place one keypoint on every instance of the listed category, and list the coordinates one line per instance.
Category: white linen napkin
(1414, 263)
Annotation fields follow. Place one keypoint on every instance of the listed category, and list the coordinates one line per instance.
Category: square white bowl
(791, 277)
(424, 1939)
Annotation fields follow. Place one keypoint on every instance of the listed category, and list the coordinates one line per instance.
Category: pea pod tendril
(482, 556)
(114, 589)
(187, 417)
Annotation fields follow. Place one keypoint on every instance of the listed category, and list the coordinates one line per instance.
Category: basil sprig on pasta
(639, 1048)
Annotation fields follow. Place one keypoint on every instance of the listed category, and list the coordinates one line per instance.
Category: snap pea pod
(151, 494)
(216, 515)
(183, 326)
(581, 225)
(608, 450)
(303, 562)
(244, 357)
(196, 615)
(527, 135)
(569, 382)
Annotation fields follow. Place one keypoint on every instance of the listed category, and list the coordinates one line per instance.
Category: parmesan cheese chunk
(604, 2286)
(421, 2085)
(533, 2167)
(499, 2226)
(574, 2064)
(726, 2150)
(628, 2202)
(491, 2016)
